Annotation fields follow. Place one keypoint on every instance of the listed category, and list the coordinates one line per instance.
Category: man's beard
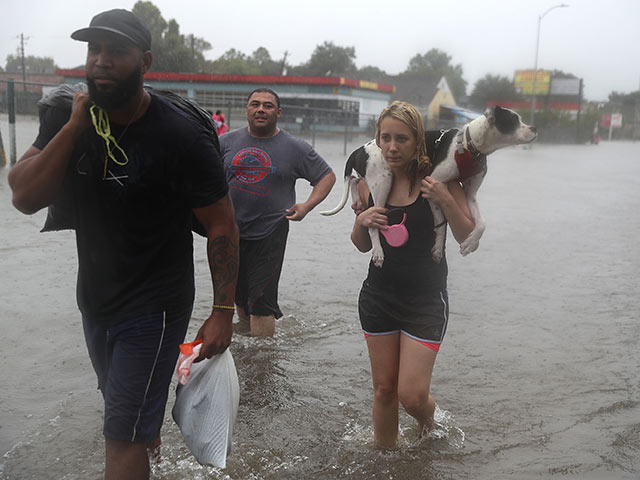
(124, 91)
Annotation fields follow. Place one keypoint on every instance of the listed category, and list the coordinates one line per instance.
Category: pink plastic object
(396, 235)
(188, 353)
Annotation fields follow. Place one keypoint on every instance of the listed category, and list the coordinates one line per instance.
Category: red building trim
(253, 79)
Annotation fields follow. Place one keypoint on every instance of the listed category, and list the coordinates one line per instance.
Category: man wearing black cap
(136, 168)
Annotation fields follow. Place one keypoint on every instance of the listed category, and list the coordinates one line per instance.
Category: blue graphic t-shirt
(262, 174)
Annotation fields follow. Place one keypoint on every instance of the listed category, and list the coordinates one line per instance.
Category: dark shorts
(134, 361)
(259, 272)
(422, 317)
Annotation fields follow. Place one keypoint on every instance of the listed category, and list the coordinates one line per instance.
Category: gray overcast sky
(595, 40)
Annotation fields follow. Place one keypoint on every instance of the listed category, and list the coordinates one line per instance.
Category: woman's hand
(450, 197)
(373, 217)
(434, 190)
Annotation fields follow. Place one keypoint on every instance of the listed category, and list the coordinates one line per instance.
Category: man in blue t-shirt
(262, 164)
(133, 169)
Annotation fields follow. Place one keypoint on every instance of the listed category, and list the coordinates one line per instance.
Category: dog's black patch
(357, 161)
(437, 150)
(506, 121)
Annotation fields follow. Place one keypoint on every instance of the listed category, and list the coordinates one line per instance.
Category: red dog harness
(469, 160)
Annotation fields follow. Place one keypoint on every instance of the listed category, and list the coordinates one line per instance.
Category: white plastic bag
(206, 406)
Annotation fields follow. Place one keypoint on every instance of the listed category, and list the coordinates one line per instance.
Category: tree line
(174, 51)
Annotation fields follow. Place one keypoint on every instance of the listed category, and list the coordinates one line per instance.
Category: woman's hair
(409, 115)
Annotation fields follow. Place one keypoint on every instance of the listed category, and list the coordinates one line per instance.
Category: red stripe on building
(253, 79)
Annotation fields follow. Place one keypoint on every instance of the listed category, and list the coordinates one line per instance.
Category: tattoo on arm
(223, 260)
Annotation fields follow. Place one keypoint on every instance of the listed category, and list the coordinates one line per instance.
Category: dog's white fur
(485, 138)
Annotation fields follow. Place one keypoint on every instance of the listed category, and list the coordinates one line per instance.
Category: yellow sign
(523, 81)
(370, 85)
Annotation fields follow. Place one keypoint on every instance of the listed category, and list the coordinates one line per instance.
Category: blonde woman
(403, 305)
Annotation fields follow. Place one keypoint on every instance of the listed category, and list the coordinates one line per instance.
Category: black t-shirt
(133, 224)
(410, 270)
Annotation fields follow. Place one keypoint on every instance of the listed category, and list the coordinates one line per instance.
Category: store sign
(611, 119)
(523, 81)
(616, 120)
(565, 86)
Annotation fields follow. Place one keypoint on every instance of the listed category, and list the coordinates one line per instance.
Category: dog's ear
(490, 113)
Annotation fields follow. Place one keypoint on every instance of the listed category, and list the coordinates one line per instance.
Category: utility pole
(283, 67)
(578, 116)
(535, 64)
(24, 70)
(636, 120)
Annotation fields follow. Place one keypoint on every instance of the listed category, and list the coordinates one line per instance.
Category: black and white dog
(455, 155)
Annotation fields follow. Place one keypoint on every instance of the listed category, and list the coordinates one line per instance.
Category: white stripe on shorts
(144, 399)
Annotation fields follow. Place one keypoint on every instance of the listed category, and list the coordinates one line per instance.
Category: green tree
(436, 63)
(172, 51)
(561, 74)
(265, 65)
(493, 87)
(374, 74)
(629, 105)
(32, 64)
(232, 62)
(150, 15)
(328, 60)
(632, 98)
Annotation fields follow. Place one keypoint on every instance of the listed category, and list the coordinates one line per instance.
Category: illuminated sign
(523, 81)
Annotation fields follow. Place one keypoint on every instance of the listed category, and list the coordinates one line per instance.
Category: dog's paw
(470, 245)
(436, 253)
(377, 258)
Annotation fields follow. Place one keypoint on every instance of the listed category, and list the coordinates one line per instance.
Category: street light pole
(535, 64)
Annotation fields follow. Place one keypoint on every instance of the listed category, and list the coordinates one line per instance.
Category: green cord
(103, 129)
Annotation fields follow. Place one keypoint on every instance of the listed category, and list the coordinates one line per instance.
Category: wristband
(223, 307)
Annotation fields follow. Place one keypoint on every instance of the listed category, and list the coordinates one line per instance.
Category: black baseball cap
(119, 22)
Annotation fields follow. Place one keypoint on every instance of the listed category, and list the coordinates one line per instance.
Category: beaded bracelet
(224, 307)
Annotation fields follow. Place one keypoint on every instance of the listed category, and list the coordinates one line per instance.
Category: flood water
(538, 376)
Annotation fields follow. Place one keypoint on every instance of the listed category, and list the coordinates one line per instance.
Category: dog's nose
(533, 129)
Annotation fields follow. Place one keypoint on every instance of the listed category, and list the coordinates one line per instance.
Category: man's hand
(37, 178)
(297, 212)
(219, 221)
(318, 194)
(215, 334)
(80, 117)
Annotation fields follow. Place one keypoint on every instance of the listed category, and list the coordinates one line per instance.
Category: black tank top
(409, 269)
